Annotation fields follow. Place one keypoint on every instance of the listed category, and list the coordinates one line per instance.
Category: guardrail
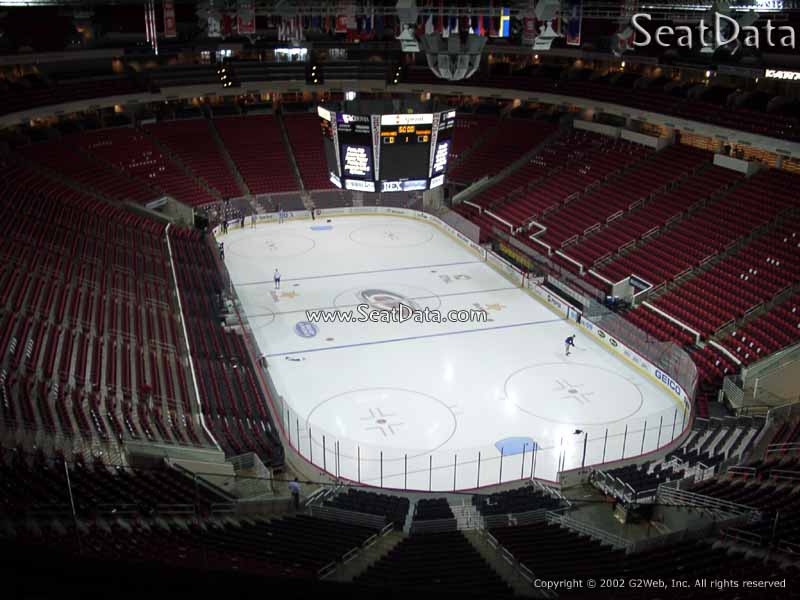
(434, 526)
(330, 513)
(594, 532)
(787, 448)
(515, 519)
(676, 497)
(516, 566)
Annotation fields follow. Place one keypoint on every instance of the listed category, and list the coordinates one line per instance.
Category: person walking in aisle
(294, 488)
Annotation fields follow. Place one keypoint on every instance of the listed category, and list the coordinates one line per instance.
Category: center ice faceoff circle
(394, 235)
(388, 296)
(387, 417)
(573, 393)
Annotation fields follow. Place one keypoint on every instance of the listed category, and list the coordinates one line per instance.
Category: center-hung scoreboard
(387, 152)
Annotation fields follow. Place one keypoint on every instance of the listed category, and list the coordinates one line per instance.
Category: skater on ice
(277, 278)
(569, 343)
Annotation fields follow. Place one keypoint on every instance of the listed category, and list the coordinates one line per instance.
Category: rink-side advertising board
(516, 275)
(619, 348)
(408, 213)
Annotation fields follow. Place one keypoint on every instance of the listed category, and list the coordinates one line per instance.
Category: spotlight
(314, 74)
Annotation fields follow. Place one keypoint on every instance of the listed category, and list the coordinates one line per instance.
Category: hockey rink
(431, 405)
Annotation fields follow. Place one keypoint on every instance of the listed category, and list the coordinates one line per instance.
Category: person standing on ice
(569, 343)
(277, 278)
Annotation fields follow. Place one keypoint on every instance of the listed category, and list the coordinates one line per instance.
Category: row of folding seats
(668, 205)
(306, 141)
(61, 157)
(130, 150)
(35, 482)
(551, 157)
(772, 331)
(749, 277)
(256, 146)
(658, 326)
(87, 315)
(467, 130)
(432, 508)
(642, 179)
(707, 231)
(502, 145)
(394, 508)
(712, 366)
(445, 562)
(191, 141)
(95, 87)
(555, 553)
(231, 398)
(564, 170)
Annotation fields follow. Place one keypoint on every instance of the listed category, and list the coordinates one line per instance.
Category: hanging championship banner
(170, 30)
(214, 30)
(573, 17)
(246, 17)
(529, 30)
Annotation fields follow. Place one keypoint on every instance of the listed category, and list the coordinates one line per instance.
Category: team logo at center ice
(385, 300)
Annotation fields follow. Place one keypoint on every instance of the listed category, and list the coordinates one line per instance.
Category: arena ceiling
(595, 9)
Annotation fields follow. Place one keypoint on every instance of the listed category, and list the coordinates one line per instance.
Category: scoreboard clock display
(397, 152)
(405, 146)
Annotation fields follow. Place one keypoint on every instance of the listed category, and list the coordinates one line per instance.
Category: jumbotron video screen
(387, 152)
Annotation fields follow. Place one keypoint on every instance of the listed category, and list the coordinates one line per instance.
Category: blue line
(467, 262)
(416, 337)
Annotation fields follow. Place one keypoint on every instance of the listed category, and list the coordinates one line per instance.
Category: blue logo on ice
(515, 445)
(321, 227)
(306, 329)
